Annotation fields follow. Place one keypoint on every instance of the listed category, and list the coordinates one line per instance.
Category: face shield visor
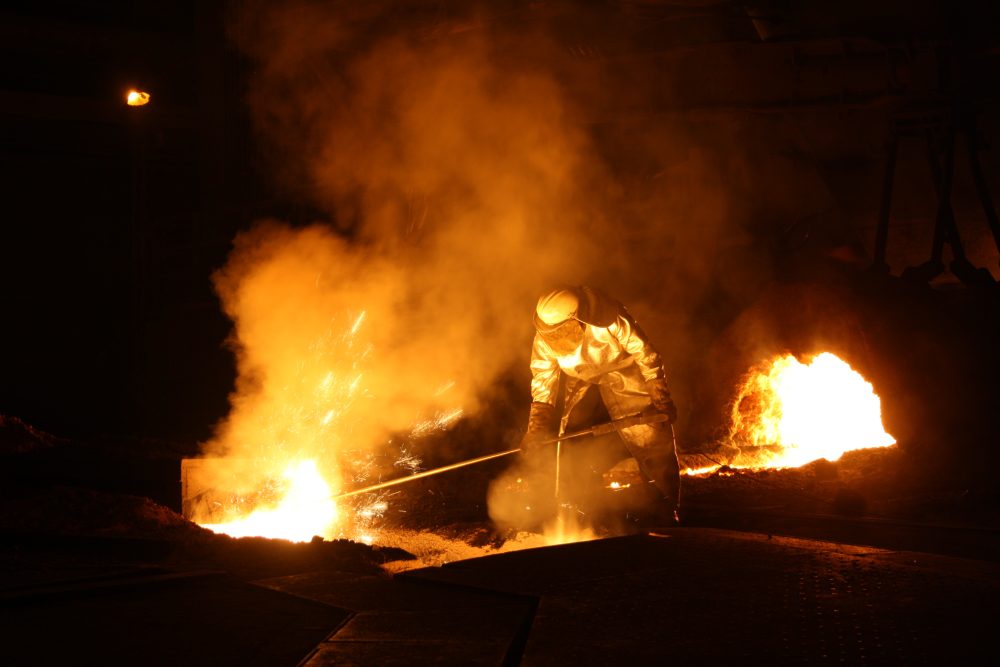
(564, 337)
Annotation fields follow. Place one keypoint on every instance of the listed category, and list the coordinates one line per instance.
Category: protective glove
(541, 425)
(659, 395)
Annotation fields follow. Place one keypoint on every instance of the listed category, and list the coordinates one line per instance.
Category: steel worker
(586, 339)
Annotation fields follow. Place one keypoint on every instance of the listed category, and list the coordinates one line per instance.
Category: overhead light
(136, 98)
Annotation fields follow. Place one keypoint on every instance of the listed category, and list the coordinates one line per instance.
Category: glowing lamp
(136, 98)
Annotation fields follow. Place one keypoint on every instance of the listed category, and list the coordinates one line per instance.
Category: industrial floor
(691, 596)
(686, 596)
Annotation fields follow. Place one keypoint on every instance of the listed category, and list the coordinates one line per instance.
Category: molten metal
(304, 511)
(788, 413)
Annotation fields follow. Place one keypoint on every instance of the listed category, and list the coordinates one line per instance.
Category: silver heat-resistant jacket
(611, 345)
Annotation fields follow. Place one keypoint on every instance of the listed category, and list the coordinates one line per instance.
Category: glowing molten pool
(790, 413)
(306, 509)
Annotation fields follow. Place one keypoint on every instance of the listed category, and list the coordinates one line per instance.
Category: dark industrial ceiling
(115, 221)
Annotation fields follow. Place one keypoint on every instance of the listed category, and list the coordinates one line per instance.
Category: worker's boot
(663, 486)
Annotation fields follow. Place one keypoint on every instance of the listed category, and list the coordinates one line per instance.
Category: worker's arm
(635, 342)
(544, 373)
(542, 419)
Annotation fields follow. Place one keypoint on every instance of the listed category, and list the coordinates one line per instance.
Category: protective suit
(587, 338)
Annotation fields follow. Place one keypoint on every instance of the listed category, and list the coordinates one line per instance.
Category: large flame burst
(293, 487)
(789, 413)
(306, 509)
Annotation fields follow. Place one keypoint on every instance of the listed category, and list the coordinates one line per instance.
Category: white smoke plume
(454, 157)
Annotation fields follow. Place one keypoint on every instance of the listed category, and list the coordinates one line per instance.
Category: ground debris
(447, 544)
(74, 511)
(860, 482)
(52, 527)
(19, 437)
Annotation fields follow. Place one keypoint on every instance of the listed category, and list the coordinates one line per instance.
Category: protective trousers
(623, 392)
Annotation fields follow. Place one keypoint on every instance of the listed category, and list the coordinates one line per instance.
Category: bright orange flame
(316, 382)
(306, 510)
(567, 527)
(308, 412)
(793, 413)
(319, 379)
(136, 98)
(694, 472)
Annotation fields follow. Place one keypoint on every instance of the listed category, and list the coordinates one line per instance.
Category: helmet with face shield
(556, 322)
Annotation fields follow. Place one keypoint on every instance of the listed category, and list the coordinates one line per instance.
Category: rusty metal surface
(963, 541)
(160, 619)
(688, 595)
(463, 636)
(413, 622)
(709, 597)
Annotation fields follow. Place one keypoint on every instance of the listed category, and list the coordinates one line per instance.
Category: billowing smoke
(460, 172)
(456, 189)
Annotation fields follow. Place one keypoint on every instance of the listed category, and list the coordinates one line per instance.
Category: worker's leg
(652, 445)
(583, 461)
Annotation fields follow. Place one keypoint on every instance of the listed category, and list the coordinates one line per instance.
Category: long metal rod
(614, 425)
(558, 461)
(421, 475)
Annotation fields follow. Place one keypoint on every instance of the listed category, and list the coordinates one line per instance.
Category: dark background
(114, 217)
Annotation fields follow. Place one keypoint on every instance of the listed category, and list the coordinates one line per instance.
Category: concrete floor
(145, 617)
(694, 595)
